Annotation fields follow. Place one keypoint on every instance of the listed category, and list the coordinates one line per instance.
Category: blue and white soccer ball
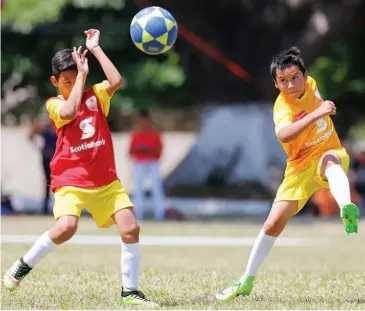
(154, 30)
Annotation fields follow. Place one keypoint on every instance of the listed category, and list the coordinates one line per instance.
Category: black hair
(285, 59)
(144, 113)
(62, 61)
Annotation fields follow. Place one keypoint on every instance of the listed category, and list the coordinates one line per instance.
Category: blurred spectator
(325, 203)
(6, 206)
(145, 150)
(48, 135)
(174, 214)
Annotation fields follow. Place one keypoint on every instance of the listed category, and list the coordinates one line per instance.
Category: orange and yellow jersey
(315, 140)
(54, 104)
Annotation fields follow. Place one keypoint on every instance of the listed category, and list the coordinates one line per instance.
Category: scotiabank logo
(88, 131)
(87, 146)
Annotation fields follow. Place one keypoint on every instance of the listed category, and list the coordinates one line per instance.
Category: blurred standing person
(145, 150)
(49, 137)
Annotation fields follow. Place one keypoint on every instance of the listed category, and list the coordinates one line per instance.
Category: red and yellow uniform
(83, 173)
(302, 175)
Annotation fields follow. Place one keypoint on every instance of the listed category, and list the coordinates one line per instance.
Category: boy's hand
(80, 60)
(326, 108)
(92, 38)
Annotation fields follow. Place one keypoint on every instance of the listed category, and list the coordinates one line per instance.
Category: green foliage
(342, 69)
(340, 77)
(115, 4)
(35, 30)
(23, 15)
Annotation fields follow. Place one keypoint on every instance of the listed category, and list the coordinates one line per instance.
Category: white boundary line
(166, 240)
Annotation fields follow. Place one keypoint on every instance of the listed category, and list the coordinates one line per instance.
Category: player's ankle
(345, 204)
(246, 276)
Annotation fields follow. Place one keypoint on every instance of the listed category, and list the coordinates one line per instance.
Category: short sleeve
(53, 106)
(283, 116)
(103, 96)
(313, 85)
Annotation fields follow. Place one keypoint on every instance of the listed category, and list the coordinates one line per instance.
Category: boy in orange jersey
(316, 160)
(83, 172)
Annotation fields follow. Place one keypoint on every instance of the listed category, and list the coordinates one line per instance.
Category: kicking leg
(332, 171)
(280, 214)
(63, 230)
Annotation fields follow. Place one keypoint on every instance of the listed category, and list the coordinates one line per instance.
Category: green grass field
(328, 275)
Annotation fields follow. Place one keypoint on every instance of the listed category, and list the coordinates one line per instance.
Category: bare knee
(127, 225)
(280, 214)
(328, 160)
(130, 233)
(272, 227)
(64, 230)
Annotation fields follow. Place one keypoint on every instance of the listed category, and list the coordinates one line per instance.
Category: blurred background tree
(33, 30)
(197, 71)
(340, 77)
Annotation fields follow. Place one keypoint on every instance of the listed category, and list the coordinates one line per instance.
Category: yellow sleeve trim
(103, 96)
(53, 106)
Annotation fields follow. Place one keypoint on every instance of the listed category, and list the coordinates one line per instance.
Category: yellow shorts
(300, 187)
(101, 202)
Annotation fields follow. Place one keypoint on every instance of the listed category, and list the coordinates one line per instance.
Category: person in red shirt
(145, 150)
(83, 172)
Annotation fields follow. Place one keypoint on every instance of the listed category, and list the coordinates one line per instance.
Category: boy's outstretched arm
(114, 79)
(293, 130)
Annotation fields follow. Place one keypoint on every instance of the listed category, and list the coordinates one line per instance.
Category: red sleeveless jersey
(84, 155)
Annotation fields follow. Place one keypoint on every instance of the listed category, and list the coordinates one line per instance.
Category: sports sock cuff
(266, 237)
(131, 247)
(47, 240)
(334, 170)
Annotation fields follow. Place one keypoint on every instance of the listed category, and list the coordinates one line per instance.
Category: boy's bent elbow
(118, 82)
(284, 137)
(114, 85)
(67, 115)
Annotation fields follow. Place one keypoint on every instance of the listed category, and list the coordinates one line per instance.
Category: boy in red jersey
(83, 170)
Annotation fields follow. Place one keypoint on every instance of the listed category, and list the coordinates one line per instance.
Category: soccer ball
(153, 30)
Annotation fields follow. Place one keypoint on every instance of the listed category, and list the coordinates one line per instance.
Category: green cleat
(243, 287)
(16, 274)
(136, 298)
(350, 217)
